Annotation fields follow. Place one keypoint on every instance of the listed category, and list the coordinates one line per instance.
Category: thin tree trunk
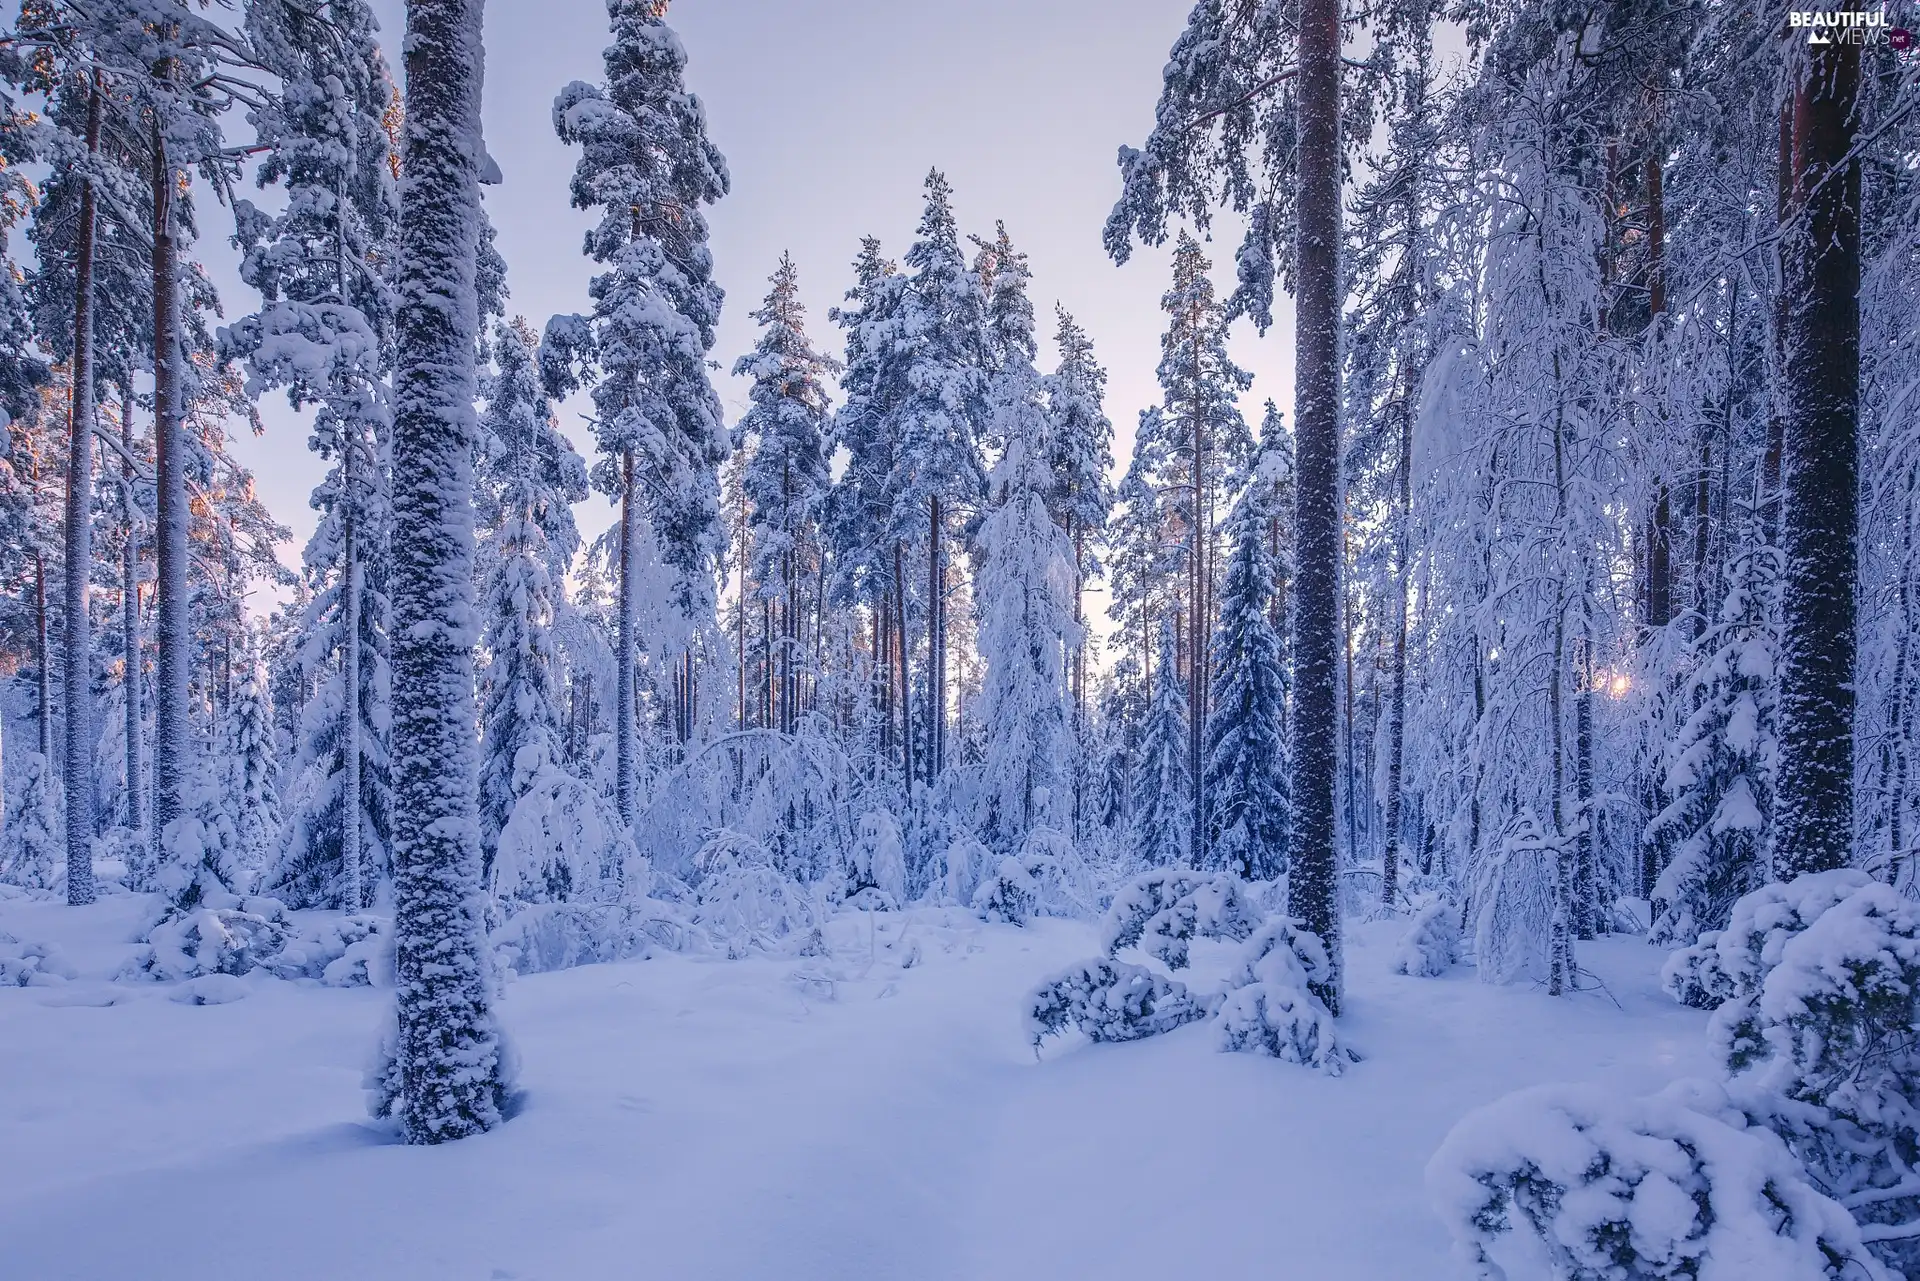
(624, 693)
(1814, 821)
(131, 678)
(936, 649)
(900, 653)
(1586, 898)
(45, 657)
(77, 670)
(172, 632)
(1314, 890)
(351, 838)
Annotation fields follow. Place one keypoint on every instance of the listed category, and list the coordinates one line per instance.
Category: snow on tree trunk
(1313, 891)
(78, 666)
(1820, 533)
(449, 1067)
(171, 749)
(130, 679)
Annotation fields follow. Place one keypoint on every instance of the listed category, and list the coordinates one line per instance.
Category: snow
(848, 1115)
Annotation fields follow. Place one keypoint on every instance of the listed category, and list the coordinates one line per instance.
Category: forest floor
(849, 1116)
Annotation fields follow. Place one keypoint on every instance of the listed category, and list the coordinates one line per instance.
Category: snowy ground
(844, 1117)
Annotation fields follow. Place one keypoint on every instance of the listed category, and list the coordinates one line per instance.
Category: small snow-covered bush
(559, 936)
(1692, 975)
(32, 964)
(1109, 1001)
(743, 901)
(877, 862)
(957, 872)
(344, 951)
(1609, 1188)
(562, 841)
(1513, 898)
(1273, 1004)
(1828, 1054)
(30, 840)
(216, 939)
(1163, 911)
(1764, 921)
(1431, 945)
(1009, 896)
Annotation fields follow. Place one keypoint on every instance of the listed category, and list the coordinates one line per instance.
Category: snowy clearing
(844, 1116)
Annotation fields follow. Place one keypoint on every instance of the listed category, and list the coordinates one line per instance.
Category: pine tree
(30, 826)
(1246, 771)
(1025, 591)
(942, 343)
(647, 164)
(529, 478)
(252, 766)
(1717, 826)
(1162, 782)
(448, 1068)
(784, 485)
(1250, 116)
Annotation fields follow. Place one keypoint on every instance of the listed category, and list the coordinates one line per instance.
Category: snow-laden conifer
(1162, 781)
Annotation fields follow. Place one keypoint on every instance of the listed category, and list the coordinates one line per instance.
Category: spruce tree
(530, 476)
(1162, 779)
(252, 767)
(1248, 812)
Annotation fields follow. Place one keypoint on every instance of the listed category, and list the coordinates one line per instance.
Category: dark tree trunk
(624, 641)
(131, 678)
(1314, 888)
(1814, 819)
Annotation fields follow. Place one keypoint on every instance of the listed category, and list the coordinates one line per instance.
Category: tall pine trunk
(1814, 818)
(1314, 888)
(44, 677)
(624, 641)
(131, 677)
(77, 670)
(452, 1067)
(172, 633)
(351, 842)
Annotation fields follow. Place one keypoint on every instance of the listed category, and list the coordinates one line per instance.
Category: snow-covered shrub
(1609, 1188)
(1828, 1054)
(117, 850)
(559, 936)
(562, 840)
(1273, 1004)
(340, 951)
(32, 964)
(1009, 896)
(1109, 1001)
(1513, 900)
(1431, 945)
(209, 989)
(227, 936)
(877, 862)
(1692, 975)
(30, 840)
(1163, 911)
(744, 901)
(1763, 922)
(957, 872)
(789, 792)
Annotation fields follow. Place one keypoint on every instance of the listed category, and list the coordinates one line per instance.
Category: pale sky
(830, 113)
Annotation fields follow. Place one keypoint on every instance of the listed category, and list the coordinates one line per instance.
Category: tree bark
(453, 1069)
(1814, 821)
(77, 670)
(1314, 889)
(172, 633)
(624, 642)
(131, 678)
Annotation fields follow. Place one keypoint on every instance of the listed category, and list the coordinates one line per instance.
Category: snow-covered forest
(1486, 775)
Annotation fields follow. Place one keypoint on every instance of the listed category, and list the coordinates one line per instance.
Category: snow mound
(1607, 1186)
(346, 951)
(1272, 1005)
(209, 989)
(32, 964)
(215, 940)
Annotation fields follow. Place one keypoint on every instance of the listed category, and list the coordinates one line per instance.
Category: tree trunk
(624, 642)
(131, 678)
(936, 649)
(44, 678)
(1814, 821)
(77, 670)
(351, 842)
(172, 631)
(453, 1070)
(1314, 896)
(900, 653)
